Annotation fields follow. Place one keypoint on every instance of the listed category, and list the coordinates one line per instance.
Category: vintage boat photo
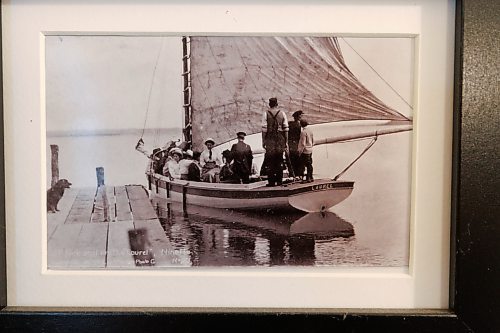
(168, 151)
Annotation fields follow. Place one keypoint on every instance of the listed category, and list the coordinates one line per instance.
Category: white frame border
(426, 285)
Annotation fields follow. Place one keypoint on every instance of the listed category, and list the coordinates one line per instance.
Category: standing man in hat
(294, 130)
(242, 159)
(274, 141)
(210, 161)
(306, 144)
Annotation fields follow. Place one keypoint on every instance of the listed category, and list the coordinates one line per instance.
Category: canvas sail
(232, 78)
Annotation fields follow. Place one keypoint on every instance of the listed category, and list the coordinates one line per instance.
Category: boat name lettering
(322, 187)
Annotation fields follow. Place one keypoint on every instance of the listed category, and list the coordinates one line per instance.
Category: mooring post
(100, 186)
(99, 171)
(184, 199)
(54, 149)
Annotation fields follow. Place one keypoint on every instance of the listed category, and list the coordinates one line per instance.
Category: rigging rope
(380, 76)
(357, 158)
(151, 87)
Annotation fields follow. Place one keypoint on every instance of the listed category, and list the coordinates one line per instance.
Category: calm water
(370, 228)
(217, 237)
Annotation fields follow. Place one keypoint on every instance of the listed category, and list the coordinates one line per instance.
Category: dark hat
(210, 140)
(273, 100)
(297, 114)
(241, 134)
(226, 153)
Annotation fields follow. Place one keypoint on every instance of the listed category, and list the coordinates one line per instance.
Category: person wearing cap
(242, 159)
(156, 158)
(294, 130)
(210, 161)
(274, 141)
(172, 167)
(305, 148)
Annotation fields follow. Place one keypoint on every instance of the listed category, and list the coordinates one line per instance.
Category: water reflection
(219, 237)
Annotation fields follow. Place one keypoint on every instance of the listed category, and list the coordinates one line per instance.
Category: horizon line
(108, 131)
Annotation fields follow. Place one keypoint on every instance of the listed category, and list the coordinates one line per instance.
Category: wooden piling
(184, 198)
(54, 149)
(100, 176)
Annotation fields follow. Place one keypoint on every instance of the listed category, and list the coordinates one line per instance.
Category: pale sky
(104, 82)
(393, 59)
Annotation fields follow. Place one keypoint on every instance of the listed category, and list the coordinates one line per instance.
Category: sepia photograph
(228, 151)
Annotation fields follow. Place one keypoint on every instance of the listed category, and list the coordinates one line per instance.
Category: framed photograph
(206, 97)
(215, 171)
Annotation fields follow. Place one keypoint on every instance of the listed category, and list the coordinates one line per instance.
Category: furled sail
(232, 78)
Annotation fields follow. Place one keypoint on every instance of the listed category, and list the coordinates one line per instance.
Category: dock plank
(135, 192)
(81, 211)
(123, 211)
(142, 210)
(110, 191)
(62, 245)
(140, 203)
(91, 246)
(98, 213)
(121, 194)
(119, 255)
(98, 209)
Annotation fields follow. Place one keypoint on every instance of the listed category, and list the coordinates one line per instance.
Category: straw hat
(176, 151)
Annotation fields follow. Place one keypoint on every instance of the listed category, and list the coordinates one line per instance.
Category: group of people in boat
(176, 161)
(293, 138)
(230, 166)
(280, 138)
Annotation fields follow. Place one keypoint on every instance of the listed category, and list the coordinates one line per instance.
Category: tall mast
(186, 74)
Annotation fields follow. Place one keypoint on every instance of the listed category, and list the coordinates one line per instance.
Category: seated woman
(194, 169)
(172, 167)
(210, 161)
(226, 172)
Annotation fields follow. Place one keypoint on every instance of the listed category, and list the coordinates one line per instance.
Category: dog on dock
(55, 193)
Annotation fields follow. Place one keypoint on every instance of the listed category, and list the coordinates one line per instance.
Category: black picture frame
(475, 262)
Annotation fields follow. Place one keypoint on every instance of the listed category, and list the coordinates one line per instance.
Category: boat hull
(309, 197)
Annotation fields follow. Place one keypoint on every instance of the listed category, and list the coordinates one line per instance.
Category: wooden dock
(86, 235)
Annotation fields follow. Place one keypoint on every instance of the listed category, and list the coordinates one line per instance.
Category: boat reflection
(221, 237)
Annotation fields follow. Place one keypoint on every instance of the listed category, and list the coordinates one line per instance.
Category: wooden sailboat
(317, 196)
(227, 81)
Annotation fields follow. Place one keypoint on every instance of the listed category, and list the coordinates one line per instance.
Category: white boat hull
(317, 196)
